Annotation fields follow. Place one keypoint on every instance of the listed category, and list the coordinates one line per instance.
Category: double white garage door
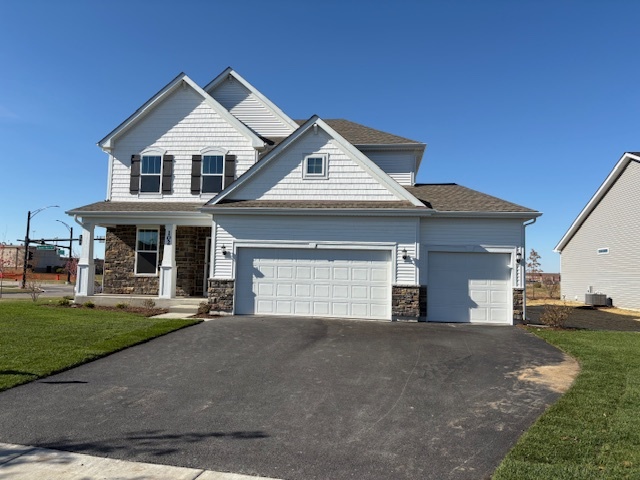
(314, 282)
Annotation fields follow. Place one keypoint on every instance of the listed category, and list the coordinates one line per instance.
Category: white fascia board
(266, 102)
(520, 215)
(244, 178)
(367, 164)
(599, 195)
(339, 212)
(107, 142)
(224, 113)
(134, 218)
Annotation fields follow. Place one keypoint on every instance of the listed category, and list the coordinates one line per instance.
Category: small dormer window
(315, 166)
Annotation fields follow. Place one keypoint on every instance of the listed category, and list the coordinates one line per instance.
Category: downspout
(524, 269)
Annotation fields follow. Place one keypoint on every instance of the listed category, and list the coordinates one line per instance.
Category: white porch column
(168, 267)
(85, 275)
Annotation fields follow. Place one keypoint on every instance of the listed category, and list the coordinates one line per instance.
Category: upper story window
(212, 173)
(315, 166)
(150, 173)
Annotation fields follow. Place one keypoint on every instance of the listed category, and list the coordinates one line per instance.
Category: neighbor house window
(147, 252)
(150, 173)
(315, 166)
(212, 173)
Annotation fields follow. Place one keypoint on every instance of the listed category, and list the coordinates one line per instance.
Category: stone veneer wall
(409, 301)
(518, 305)
(190, 260)
(120, 261)
(221, 295)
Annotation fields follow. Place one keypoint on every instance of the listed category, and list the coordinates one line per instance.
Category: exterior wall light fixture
(223, 249)
(404, 254)
(518, 256)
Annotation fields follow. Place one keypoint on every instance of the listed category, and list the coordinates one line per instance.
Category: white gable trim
(367, 165)
(599, 195)
(272, 107)
(107, 142)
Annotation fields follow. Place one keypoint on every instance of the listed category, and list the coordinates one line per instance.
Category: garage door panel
(469, 287)
(344, 283)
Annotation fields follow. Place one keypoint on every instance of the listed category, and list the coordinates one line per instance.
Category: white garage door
(469, 287)
(325, 283)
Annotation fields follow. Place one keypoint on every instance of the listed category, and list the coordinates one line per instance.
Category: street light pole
(26, 243)
(70, 249)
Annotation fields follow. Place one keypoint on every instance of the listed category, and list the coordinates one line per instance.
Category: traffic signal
(30, 255)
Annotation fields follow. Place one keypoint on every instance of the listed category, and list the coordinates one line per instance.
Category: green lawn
(593, 432)
(37, 340)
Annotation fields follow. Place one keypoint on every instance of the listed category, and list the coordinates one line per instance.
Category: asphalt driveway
(297, 399)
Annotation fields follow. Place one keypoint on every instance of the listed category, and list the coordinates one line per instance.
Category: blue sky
(530, 101)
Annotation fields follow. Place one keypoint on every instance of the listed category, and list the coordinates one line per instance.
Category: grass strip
(593, 432)
(37, 340)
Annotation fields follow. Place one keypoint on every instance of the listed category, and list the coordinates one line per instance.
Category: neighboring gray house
(215, 192)
(600, 253)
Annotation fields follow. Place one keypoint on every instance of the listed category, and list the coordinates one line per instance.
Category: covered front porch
(160, 253)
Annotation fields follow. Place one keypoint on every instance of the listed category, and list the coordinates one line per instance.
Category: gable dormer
(250, 106)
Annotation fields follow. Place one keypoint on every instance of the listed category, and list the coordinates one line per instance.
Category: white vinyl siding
(249, 109)
(613, 224)
(381, 232)
(458, 233)
(283, 179)
(182, 125)
(398, 165)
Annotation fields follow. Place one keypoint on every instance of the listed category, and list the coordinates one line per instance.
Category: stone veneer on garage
(409, 302)
(221, 295)
(120, 254)
(518, 305)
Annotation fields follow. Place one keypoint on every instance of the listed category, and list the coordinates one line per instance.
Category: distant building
(41, 261)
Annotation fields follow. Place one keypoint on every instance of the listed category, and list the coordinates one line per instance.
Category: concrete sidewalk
(24, 462)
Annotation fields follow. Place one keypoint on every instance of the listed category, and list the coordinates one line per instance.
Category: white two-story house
(215, 192)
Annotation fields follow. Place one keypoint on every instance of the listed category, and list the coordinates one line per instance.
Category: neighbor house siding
(460, 232)
(398, 165)
(182, 125)
(397, 233)
(613, 224)
(249, 109)
(282, 178)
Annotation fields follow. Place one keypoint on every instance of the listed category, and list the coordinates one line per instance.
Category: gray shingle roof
(357, 134)
(124, 207)
(313, 204)
(450, 197)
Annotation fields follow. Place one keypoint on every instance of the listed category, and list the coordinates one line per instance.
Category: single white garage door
(325, 283)
(469, 287)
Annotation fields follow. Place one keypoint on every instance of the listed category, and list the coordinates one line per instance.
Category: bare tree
(533, 266)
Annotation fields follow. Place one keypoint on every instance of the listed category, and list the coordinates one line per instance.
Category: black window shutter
(229, 170)
(134, 182)
(167, 173)
(196, 171)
